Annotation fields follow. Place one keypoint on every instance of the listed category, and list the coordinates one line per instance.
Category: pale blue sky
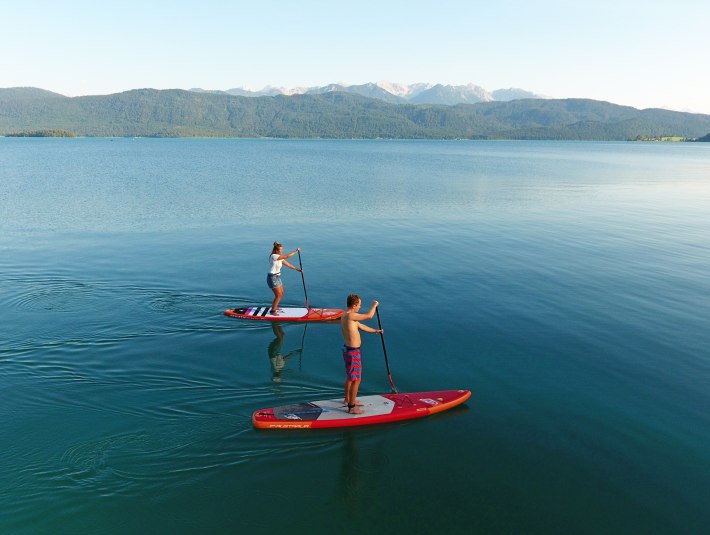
(638, 53)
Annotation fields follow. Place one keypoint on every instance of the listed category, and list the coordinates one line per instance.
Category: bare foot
(355, 410)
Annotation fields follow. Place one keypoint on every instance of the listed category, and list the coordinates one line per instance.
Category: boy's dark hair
(353, 299)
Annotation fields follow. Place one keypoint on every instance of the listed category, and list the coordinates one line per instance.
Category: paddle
(303, 278)
(384, 349)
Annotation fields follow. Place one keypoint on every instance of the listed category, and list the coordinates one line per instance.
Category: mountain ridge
(333, 114)
(418, 93)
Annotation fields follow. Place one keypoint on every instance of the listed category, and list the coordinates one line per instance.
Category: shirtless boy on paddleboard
(350, 323)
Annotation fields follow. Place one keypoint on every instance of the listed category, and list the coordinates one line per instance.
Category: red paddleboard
(285, 314)
(376, 410)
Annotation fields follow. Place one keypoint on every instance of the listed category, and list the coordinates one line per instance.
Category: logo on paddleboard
(429, 401)
(292, 416)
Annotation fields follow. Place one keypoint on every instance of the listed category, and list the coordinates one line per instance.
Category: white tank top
(275, 264)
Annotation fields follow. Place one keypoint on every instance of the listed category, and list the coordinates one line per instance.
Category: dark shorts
(353, 364)
(274, 280)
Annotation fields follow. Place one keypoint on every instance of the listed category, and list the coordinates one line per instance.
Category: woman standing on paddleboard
(273, 279)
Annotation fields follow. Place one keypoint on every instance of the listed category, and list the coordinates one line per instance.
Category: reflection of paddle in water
(277, 360)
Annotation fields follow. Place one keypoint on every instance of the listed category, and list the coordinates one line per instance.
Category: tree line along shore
(30, 112)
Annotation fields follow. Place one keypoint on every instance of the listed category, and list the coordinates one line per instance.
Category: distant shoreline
(27, 112)
(70, 135)
(42, 133)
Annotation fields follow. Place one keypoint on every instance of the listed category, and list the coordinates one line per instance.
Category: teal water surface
(565, 284)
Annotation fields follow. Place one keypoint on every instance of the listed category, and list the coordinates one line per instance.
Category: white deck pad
(334, 409)
(282, 312)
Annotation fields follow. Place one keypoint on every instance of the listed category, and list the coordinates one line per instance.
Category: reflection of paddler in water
(277, 360)
(350, 475)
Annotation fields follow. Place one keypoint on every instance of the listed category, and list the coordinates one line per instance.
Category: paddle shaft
(303, 279)
(384, 350)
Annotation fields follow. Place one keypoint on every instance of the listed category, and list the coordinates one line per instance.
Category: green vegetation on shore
(177, 113)
(42, 133)
(674, 139)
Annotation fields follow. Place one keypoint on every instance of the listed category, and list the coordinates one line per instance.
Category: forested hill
(177, 113)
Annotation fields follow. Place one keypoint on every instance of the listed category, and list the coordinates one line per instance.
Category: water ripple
(39, 294)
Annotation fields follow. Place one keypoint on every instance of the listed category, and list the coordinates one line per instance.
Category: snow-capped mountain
(419, 93)
(452, 94)
(366, 90)
(404, 91)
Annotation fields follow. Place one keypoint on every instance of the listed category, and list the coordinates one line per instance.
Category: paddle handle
(384, 350)
(303, 279)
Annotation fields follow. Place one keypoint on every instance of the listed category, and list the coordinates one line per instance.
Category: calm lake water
(567, 285)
